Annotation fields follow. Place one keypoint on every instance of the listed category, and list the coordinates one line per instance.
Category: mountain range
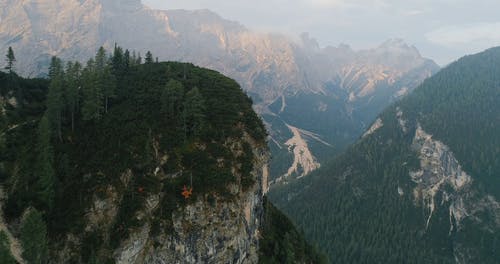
(314, 100)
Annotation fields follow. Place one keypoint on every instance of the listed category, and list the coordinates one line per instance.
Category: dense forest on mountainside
(363, 207)
(461, 107)
(282, 243)
(66, 139)
(154, 99)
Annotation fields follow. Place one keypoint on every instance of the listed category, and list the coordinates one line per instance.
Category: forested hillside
(120, 156)
(422, 185)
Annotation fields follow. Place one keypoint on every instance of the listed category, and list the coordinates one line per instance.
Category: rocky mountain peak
(398, 48)
(308, 42)
(394, 43)
(200, 19)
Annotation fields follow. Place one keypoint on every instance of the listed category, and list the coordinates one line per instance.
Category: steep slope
(331, 92)
(282, 243)
(422, 184)
(111, 189)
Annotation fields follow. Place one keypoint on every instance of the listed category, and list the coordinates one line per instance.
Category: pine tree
(13, 84)
(10, 58)
(288, 249)
(126, 59)
(100, 59)
(133, 59)
(45, 159)
(194, 112)
(34, 237)
(55, 96)
(73, 83)
(107, 82)
(139, 59)
(149, 58)
(118, 61)
(171, 100)
(5, 255)
(92, 95)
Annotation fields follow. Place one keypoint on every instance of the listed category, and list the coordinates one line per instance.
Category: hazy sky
(443, 30)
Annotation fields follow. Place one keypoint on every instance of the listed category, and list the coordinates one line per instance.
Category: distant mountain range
(315, 101)
(421, 185)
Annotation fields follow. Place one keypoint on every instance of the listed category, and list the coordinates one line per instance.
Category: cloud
(327, 3)
(481, 35)
(414, 12)
(347, 3)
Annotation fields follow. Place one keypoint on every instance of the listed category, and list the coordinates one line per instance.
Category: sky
(443, 30)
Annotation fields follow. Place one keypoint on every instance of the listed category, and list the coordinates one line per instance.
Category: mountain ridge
(270, 67)
(421, 185)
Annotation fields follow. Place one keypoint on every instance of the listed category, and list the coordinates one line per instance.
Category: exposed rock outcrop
(218, 231)
(376, 125)
(15, 246)
(442, 184)
(211, 229)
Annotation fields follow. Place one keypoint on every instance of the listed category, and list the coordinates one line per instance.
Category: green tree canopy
(106, 81)
(149, 57)
(118, 61)
(45, 171)
(55, 97)
(171, 98)
(5, 255)
(73, 79)
(194, 109)
(34, 237)
(10, 58)
(92, 96)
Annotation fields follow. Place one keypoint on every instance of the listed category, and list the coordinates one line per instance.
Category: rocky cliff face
(442, 185)
(215, 231)
(210, 229)
(272, 68)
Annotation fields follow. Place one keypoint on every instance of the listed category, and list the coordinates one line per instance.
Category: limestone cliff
(208, 229)
(443, 185)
